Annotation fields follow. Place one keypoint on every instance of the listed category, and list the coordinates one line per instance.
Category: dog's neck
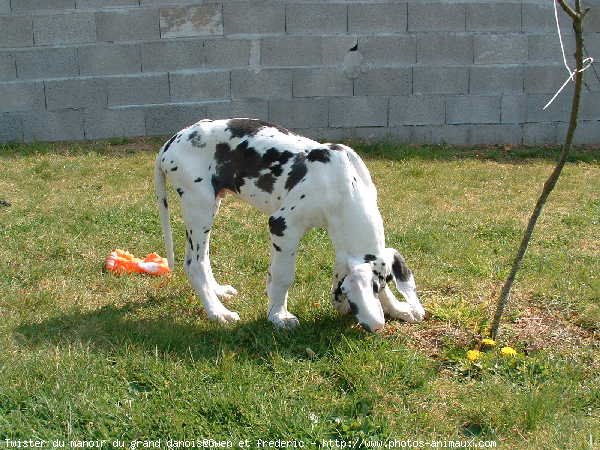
(356, 232)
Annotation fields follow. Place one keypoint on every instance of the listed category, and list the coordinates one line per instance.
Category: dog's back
(260, 162)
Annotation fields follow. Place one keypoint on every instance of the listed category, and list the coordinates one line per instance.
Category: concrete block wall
(426, 71)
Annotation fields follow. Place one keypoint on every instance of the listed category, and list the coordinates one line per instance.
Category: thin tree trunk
(577, 17)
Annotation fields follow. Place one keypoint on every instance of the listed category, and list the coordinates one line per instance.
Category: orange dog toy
(120, 261)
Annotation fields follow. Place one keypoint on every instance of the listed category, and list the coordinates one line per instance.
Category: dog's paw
(406, 312)
(399, 310)
(284, 320)
(223, 316)
(225, 290)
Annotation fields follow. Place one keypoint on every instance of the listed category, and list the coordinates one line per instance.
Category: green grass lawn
(88, 355)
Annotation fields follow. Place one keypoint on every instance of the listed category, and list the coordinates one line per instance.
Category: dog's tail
(160, 186)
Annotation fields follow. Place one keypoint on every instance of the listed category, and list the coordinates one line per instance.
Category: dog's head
(358, 289)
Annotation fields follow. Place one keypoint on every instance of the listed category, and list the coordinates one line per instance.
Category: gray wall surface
(457, 72)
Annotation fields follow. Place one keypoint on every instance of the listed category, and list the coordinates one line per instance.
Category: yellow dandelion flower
(508, 351)
(473, 355)
(487, 342)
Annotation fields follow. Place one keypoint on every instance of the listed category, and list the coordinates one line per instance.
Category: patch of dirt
(591, 246)
(537, 329)
(137, 144)
(431, 336)
(534, 330)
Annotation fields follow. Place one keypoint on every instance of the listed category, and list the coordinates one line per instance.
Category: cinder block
(587, 133)
(4, 6)
(504, 17)
(187, 87)
(315, 17)
(267, 83)
(172, 55)
(185, 21)
(291, 51)
(94, 4)
(388, 50)
(496, 134)
(417, 110)
(591, 76)
(53, 126)
(66, 28)
(513, 108)
(320, 83)
(442, 134)
(358, 112)
(160, 2)
(253, 108)
(17, 31)
(402, 134)
(591, 22)
(444, 49)
(138, 89)
(227, 53)
(75, 93)
(106, 123)
(335, 48)
(545, 48)
(436, 17)
(558, 111)
(128, 25)
(472, 109)
(539, 133)
(440, 80)
(369, 134)
(37, 5)
(11, 128)
(105, 59)
(500, 49)
(377, 18)
(44, 63)
(590, 106)
(325, 134)
(496, 79)
(544, 79)
(592, 82)
(162, 120)
(21, 96)
(8, 70)
(540, 18)
(397, 81)
(253, 17)
(300, 112)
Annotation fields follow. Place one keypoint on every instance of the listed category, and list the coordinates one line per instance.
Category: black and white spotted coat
(299, 183)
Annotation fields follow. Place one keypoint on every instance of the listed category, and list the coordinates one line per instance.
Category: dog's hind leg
(199, 208)
(221, 290)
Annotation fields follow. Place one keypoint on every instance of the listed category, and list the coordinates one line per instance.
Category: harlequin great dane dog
(300, 184)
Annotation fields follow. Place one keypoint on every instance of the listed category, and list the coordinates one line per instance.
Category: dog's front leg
(392, 307)
(281, 275)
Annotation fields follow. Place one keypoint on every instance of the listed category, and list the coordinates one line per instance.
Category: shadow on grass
(389, 150)
(113, 328)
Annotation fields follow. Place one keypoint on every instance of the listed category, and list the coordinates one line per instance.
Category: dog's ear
(399, 269)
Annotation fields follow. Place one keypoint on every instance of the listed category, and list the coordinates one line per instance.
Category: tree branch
(577, 17)
(566, 8)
